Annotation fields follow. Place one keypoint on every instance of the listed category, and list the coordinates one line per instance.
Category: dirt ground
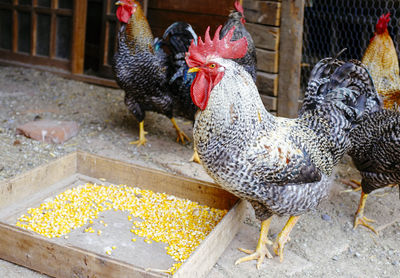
(323, 243)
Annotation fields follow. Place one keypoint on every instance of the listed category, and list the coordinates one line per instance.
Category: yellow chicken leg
(261, 250)
(283, 236)
(359, 218)
(181, 135)
(195, 157)
(142, 140)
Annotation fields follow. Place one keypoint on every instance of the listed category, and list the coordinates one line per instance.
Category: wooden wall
(275, 25)
(263, 21)
(198, 13)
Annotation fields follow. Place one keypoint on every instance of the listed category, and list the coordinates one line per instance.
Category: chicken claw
(359, 218)
(142, 140)
(181, 136)
(195, 157)
(261, 250)
(283, 236)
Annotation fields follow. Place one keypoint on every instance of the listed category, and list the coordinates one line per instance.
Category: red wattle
(200, 90)
(201, 87)
(124, 13)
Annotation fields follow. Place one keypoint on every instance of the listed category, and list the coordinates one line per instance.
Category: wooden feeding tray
(81, 256)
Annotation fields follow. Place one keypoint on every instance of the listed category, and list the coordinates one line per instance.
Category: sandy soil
(323, 243)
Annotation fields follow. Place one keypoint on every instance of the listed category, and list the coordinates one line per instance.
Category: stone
(49, 131)
(326, 217)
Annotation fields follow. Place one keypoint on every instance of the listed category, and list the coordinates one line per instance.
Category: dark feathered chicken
(376, 154)
(237, 19)
(281, 166)
(142, 69)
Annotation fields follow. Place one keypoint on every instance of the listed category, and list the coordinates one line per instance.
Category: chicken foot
(142, 140)
(261, 249)
(195, 157)
(359, 217)
(181, 136)
(283, 236)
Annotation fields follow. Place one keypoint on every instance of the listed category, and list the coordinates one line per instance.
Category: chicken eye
(212, 66)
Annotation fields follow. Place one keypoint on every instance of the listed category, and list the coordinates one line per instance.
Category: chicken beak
(119, 3)
(195, 69)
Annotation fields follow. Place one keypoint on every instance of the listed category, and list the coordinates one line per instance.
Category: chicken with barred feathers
(281, 166)
(376, 154)
(382, 62)
(142, 69)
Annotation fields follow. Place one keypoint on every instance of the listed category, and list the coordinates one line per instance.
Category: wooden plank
(267, 83)
(267, 60)
(16, 189)
(265, 37)
(291, 34)
(33, 30)
(15, 58)
(134, 175)
(271, 103)
(53, 34)
(159, 20)
(202, 260)
(262, 12)
(38, 253)
(78, 36)
(64, 72)
(15, 30)
(211, 7)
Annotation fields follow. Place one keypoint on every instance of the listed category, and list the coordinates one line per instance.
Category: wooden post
(291, 38)
(14, 45)
(78, 36)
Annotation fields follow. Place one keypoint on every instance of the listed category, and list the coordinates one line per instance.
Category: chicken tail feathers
(338, 96)
(346, 85)
(177, 37)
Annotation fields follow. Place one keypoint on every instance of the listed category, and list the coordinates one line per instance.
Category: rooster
(376, 154)
(142, 69)
(281, 166)
(382, 63)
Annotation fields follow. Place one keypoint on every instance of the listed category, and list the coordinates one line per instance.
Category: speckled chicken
(281, 166)
(376, 154)
(382, 62)
(142, 69)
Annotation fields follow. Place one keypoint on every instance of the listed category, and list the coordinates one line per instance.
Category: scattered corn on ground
(180, 223)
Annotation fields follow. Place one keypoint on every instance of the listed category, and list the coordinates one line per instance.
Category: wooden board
(291, 34)
(263, 12)
(267, 60)
(269, 102)
(57, 258)
(267, 83)
(265, 37)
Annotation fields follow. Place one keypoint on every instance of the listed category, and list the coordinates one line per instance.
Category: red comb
(223, 48)
(383, 21)
(239, 7)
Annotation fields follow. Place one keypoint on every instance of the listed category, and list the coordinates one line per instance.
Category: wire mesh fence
(331, 25)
